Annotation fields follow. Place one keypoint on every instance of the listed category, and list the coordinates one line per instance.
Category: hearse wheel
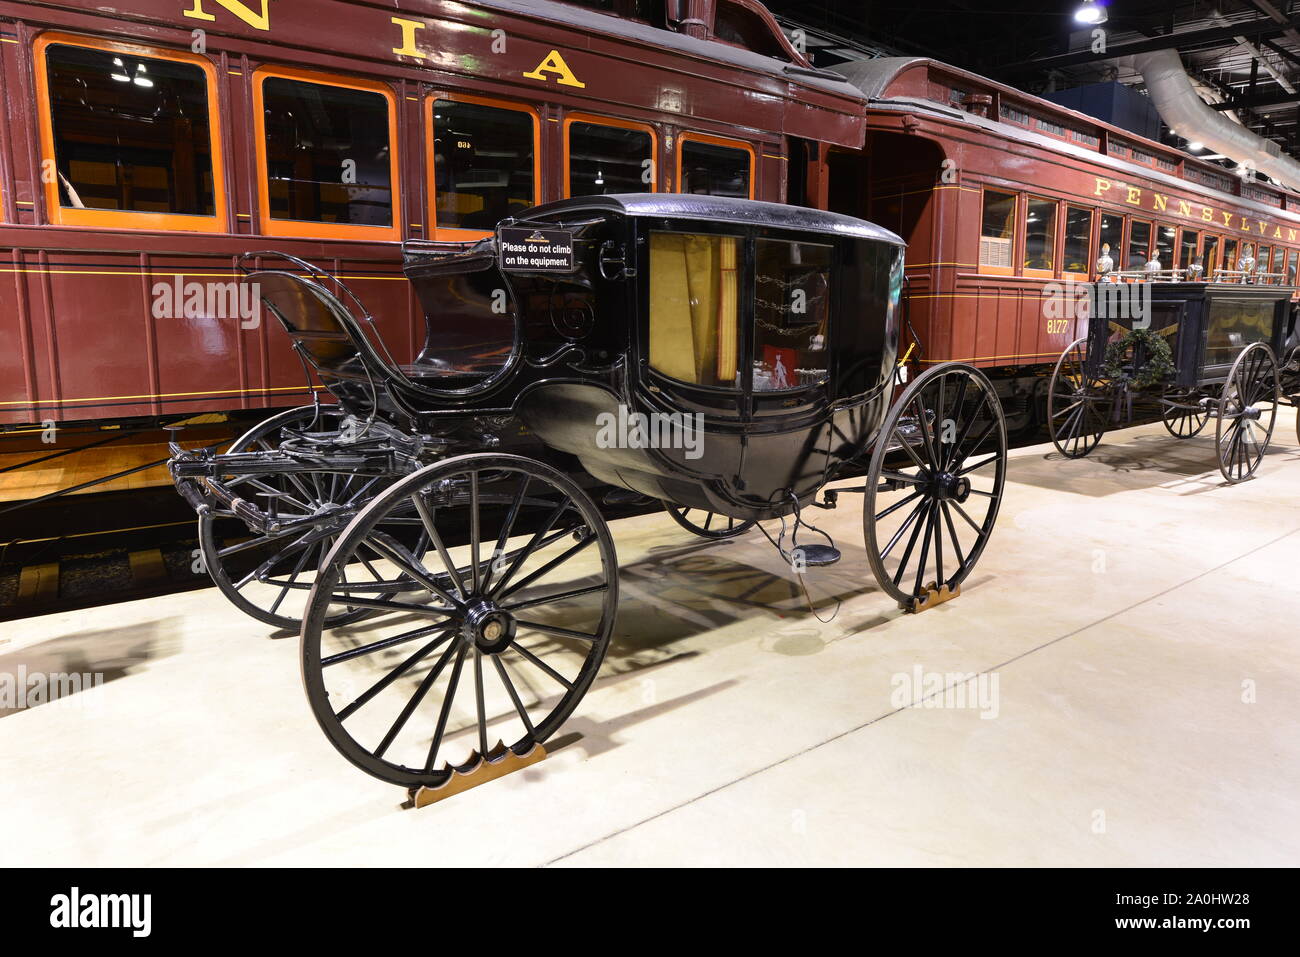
(1248, 400)
(519, 589)
(1076, 419)
(269, 576)
(928, 517)
(706, 524)
(1184, 423)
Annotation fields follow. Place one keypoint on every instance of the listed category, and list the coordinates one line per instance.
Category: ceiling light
(1090, 12)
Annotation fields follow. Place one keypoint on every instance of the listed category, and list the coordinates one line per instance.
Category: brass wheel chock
(479, 769)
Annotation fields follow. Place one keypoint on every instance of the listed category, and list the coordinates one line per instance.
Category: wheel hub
(1252, 412)
(489, 628)
(947, 486)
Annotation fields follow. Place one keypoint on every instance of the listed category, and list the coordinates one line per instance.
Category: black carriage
(1188, 352)
(728, 358)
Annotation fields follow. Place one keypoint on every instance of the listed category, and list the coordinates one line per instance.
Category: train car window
(694, 331)
(1077, 252)
(997, 231)
(133, 136)
(1261, 258)
(1112, 234)
(1279, 263)
(484, 158)
(1229, 254)
(714, 167)
(1040, 235)
(1187, 248)
(1291, 267)
(1139, 244)
(1210, 256)
(1166, 246)
(326, 156)
(608, 156)
(791, 311)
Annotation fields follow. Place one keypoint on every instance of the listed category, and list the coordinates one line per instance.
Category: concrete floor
(1140, 618)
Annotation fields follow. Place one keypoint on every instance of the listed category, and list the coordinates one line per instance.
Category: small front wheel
(935, 483)
(1183, 422)
(1249, 400)
(706, 524)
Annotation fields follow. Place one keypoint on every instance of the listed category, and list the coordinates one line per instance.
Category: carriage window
(130, 133)
(328, 153)
(1139, 244)
(1187, 249)
(1112, 234)
(1078, 240)
(693, 307)
(712, 169)
(483, 163)
(606, 159)
(1040, 235)
(791, 311)
(998, 229)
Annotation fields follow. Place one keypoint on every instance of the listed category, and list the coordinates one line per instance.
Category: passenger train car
(145, 146)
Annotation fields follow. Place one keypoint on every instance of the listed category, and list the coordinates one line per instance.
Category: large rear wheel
(513, 612)
(1247, 412)
(1077, 403)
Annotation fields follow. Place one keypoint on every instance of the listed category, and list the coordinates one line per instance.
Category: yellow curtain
(727, 309)
(693, 307)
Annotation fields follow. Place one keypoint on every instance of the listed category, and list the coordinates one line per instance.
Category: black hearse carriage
(1187, 351)
(727, 357)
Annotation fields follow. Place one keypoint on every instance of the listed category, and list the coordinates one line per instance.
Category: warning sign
(535, 250)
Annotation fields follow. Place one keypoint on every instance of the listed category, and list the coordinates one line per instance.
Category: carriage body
(709, 352)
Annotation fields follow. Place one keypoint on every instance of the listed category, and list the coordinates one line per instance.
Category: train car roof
(746, 212)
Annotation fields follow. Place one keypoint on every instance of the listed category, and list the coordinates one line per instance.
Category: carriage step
(479, 769)
(622, 496)
(934, 595)
(815, 556)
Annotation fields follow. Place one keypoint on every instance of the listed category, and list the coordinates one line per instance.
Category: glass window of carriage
(694, 308)
(713, 167)
(328, 164)
(484, 160)
(608, 156)
(133, 136)
(1040, 237)
(791, 314)
(997, 233)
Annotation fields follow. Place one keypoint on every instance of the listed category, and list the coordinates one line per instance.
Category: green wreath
(1159, 363)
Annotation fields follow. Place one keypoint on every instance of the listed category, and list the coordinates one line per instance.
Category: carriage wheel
(268, 577)
(1240, 434)
(710, 524)
(928, 517)
(1074, 419)
(516, 604)
(1184, 423)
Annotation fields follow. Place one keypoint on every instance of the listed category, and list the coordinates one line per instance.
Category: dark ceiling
(1244, 54)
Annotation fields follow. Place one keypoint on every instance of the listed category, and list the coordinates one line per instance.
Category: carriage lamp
(1091, 12)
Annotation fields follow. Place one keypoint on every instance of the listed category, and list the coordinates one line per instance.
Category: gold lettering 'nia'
(554, 63)
(258, 21)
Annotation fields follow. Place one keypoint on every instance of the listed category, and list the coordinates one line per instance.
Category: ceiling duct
(1183, 110)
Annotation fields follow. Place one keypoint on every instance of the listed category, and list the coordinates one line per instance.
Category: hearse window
(484, 163)
(1139, 244)
(608, 157)
(1078, 241)
(997, 229)
(693, 307)
(328, 156)
(1187, 249)
(1040, 235)
(714, 169)
(1210, 254)
(1112, 232)
(132, 134)
(791, 311)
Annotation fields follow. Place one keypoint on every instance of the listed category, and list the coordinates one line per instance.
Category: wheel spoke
(414, 701)
(546, 569)
(514, 695)
(384, 643)
(561, 596)
(506, 529)
(558, 632)
(528, 655)
(445, 711)
(370, 693)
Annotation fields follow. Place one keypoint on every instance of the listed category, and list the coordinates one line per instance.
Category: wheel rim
(1075, 420)
(269, 577)
(513, 615)
(933, 527)
(1247, 413)
(706, 524)
(1184, 423)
